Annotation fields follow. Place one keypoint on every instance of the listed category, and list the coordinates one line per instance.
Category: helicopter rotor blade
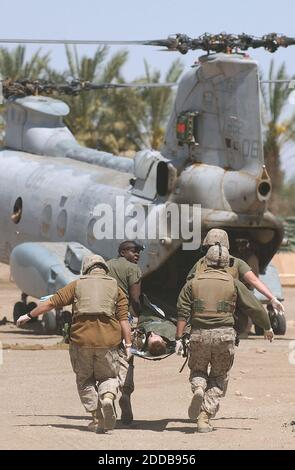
(182, 43)
(21, 88)
(72, 42)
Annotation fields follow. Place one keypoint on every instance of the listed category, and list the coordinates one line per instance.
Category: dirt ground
(40, 408)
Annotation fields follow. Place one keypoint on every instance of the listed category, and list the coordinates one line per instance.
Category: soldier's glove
(128, 351)
(277, 306)
(178, 347)
(268, 334)
(22, 320)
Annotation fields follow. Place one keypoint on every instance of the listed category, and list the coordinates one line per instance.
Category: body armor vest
(214, 294)
(96, 294)
(232, 268)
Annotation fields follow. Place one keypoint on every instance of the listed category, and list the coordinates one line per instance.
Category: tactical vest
(214, 294)
(232, 268)
(95, 294)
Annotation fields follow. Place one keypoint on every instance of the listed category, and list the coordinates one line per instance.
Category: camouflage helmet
(217, 256)
(216, 235)
(90, 261)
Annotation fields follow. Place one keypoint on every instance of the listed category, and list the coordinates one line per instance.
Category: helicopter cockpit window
(17, 211)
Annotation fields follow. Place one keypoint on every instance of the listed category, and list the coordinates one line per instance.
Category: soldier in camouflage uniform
(208, 302)
(239, 269)
(100, 320)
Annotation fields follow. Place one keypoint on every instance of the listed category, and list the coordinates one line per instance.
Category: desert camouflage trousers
(211, 358)
(96, 372)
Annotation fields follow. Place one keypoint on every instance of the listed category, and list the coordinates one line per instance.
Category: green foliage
(286, 200)
(117, 121)
(279, 128)
(13, 65)
(122, 120)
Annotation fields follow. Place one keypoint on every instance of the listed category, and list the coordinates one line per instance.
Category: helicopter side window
(17, 211)
(162, 178)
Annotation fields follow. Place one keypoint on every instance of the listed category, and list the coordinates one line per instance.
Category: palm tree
(14, 66)
(280, 127)
(89, 107)
(136, 118)
(158, 103)
(123, 120)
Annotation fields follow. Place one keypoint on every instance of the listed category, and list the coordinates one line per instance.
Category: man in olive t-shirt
(127, 273)
(128, 276)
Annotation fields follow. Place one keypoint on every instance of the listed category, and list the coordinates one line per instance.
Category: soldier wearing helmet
(239, 269)
(208, 302)
(100, 319)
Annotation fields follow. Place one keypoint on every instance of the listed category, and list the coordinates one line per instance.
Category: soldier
(100, 319)
(208, 301)
(128, 275)
(239, 269)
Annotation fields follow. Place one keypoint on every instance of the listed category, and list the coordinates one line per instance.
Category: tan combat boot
(204, 422)
(100, 419)
(126, 410)
(92, 426)
(195, 405)
(108, 411)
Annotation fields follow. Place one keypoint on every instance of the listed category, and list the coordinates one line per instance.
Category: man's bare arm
(134, 293)
(255, 282)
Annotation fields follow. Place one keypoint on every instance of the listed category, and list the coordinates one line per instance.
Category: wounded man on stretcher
(154, 335)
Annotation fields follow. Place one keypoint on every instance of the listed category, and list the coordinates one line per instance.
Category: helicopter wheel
(30, 306)
(49, 322)
(278, 324)
(19, 309)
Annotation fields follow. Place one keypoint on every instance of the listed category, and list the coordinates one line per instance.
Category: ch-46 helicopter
(51, 187)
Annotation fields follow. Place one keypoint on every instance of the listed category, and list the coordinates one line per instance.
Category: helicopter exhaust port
(264, 190)
(264, 185)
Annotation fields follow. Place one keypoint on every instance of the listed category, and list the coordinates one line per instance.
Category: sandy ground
(40, 408)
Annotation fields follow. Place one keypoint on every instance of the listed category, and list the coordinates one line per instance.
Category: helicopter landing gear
(57, 322)
(19, 309)
(22, 307)
(49, 322)
(278, 323)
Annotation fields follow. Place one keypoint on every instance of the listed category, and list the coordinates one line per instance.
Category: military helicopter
(212, 156)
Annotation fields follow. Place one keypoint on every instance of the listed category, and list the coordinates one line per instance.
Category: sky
(149, 19)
